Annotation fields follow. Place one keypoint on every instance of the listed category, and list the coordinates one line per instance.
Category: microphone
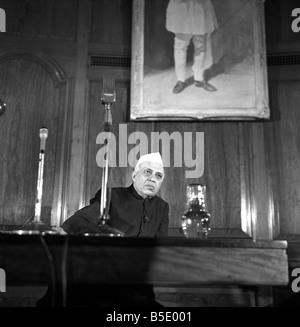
(43, 137)
(108, 94)
(40, 180)
(108, 97)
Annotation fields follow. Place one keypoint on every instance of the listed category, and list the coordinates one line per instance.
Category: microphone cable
(27, 220)
(52, 268)
(64, 265)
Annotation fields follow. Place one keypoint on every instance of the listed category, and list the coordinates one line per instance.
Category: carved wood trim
(52, 67)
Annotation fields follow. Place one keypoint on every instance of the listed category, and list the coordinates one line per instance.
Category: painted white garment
(191, 20)
(191, 17)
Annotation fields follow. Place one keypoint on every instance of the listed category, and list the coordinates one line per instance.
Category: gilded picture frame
(237, 70)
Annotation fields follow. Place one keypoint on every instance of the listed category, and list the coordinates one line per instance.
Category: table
(178, 262)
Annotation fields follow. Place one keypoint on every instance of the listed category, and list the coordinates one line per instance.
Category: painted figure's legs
(181, 42)
(199, 53)
(199, 63)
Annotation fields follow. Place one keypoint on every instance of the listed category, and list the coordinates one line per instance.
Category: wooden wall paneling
(111, 22)
(224, 141)
(222, 175)
(76, 179)
(283, 141)
(247, 216)
(32, 102)
(258, 213)
(272, 158)
(270, 136)
(63, 19)
(59, 205)
(41, 18)
(264, 203)
(63, 52)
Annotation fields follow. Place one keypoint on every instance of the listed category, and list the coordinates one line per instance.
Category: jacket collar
(133, 191)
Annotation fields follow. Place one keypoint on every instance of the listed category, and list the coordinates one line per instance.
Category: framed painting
(198, 60)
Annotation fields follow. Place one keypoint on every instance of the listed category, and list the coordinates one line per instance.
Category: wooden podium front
(166, 262)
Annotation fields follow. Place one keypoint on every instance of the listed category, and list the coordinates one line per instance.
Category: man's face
(147, 180)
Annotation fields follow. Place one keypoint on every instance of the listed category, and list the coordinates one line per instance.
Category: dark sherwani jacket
(129, 213)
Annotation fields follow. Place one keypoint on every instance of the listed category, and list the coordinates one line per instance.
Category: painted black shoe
(179, 87)
(207, 87)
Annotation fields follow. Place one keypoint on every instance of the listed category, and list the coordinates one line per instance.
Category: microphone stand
(108, 96)
(36, 226)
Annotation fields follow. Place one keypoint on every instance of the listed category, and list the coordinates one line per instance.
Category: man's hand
(59, 230)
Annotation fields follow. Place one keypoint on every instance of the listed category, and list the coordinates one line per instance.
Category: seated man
(136, 211)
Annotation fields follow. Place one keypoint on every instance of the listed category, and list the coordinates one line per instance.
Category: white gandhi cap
(152, 157)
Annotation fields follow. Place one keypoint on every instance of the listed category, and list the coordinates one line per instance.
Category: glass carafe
(195, 220)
